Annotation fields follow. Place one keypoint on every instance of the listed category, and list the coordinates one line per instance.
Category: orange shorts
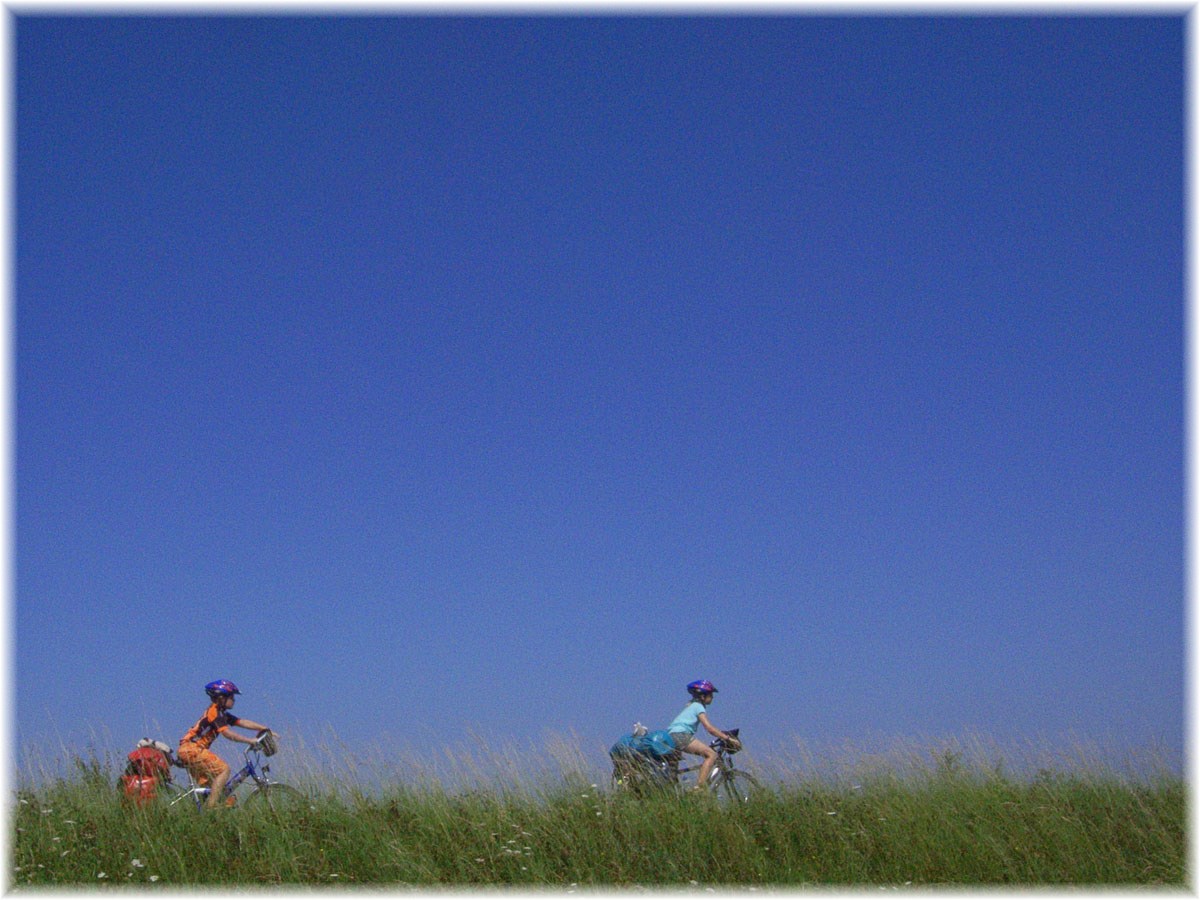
(203, 764)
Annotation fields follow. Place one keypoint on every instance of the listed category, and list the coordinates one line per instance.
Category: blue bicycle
(267, 792)
(641, 768)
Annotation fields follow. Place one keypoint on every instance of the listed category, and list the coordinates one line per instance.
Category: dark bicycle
(266, 793)
(643, 766)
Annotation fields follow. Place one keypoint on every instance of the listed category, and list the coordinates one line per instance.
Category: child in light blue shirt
(687, 721)
(685, 725)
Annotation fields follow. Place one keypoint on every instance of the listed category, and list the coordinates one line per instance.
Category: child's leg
(207, 768)
(699, 748)
(218, 785)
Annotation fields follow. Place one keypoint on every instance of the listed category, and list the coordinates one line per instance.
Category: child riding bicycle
(204, 765)
(683, 729)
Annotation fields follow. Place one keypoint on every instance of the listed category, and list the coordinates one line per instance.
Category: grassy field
(940, 824)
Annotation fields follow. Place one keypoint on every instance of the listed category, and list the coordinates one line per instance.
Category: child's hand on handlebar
(266, 742)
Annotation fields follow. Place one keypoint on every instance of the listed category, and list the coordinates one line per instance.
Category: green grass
(942, 824)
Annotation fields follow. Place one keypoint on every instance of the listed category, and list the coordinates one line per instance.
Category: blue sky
(500, 375)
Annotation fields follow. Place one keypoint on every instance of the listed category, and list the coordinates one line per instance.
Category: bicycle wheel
(621, 780)
(280, 798)
(640, 777)
(732, 784)
(165, 795)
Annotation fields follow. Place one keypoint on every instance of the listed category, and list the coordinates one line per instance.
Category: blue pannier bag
(623, 748)
(655, 744)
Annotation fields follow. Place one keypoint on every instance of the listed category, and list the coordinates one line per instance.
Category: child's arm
(714, 730)
(234, 736)
(245, 723)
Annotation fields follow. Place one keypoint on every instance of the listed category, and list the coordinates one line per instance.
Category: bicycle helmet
(221, 688)
(703, 686)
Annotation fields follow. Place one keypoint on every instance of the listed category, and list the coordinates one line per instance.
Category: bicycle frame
(724, 762)
(253, 770)
(668, 771)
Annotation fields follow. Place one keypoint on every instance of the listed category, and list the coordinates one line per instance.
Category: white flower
(137, 863)
(154, 878)
(102, 875)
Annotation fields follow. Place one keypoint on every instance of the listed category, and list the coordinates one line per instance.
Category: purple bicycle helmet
(221, 688)
(704, 686)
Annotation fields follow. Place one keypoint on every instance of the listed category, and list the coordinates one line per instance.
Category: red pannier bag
(145, 769)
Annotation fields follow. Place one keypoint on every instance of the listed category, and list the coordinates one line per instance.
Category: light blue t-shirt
(687, 721)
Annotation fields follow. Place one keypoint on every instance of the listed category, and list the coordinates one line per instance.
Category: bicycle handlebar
(722, 744)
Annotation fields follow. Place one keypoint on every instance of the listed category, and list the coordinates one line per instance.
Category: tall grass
(460, 818)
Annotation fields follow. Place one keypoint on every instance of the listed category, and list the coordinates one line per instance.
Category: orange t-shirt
(213, 722)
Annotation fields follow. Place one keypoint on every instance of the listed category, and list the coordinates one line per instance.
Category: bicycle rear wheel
(280, 798)
(165, 795)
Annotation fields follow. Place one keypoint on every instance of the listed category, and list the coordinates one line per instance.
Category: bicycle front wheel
(734, 785)
(280, 798)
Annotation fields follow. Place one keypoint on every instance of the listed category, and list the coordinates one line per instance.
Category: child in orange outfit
(204, 765)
